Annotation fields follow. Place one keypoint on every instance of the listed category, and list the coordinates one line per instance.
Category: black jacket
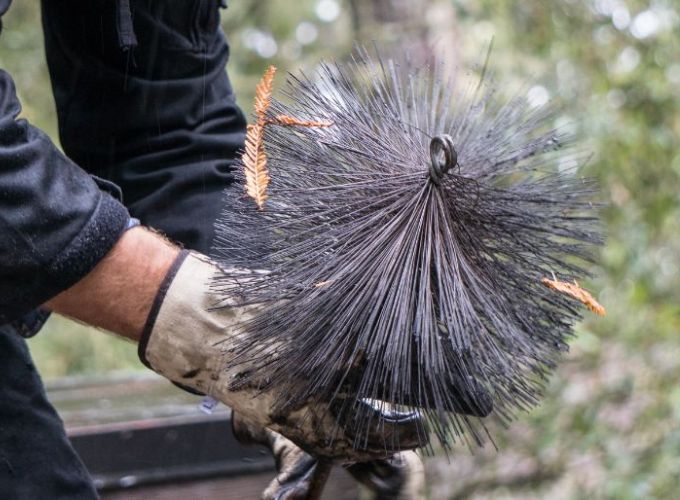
(143, 100)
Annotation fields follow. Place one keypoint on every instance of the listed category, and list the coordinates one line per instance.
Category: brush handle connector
(443, 157)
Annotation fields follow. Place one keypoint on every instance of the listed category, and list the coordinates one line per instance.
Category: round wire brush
(420, 234)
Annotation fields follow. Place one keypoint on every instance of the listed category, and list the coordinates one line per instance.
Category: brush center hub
(443, 157)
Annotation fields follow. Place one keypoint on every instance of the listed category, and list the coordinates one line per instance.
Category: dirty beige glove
(188, 343)
(299, 475)
(400, 477)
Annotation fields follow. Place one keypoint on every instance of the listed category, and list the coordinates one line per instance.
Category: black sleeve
(55, 224)
(4, 5)
(144, 100)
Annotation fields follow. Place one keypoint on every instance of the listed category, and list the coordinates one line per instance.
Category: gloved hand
(399, 477)
(300, 476)
(190, 344)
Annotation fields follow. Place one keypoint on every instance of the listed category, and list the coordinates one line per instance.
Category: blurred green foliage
(608, 427)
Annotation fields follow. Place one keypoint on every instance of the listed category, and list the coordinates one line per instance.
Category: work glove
(300, 476)
(399, 477)
(191, 343)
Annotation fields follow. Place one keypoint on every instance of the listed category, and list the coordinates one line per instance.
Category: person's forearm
(119, 292)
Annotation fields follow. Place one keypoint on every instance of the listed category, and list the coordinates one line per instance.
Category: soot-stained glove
(399, 477)
(190, 342)
(299, 475)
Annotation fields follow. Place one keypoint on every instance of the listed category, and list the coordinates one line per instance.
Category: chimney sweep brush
(421, 237)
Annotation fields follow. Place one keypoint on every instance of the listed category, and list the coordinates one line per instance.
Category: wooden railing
(142, 438)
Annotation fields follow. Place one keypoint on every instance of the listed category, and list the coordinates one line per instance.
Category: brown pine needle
(254, 158)
(289, 121)
(577, 292)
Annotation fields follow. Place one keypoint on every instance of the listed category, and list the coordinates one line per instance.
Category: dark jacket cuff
(105, 227)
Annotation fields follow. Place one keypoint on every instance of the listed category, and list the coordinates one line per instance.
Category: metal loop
(443, 156)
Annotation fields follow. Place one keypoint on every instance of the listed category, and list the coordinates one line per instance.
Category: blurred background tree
(609, 426)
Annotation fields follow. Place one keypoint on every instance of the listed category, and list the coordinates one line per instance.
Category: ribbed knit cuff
(105, 227)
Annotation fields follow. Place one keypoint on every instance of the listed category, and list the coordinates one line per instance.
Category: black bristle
(391, 280)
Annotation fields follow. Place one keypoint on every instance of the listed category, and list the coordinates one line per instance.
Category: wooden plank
(141, 438)
(340, 486)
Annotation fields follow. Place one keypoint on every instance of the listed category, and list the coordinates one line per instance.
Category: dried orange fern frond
(255, 165)
(263, 94)
(254, 158)
(574, 290)
(289, 121)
